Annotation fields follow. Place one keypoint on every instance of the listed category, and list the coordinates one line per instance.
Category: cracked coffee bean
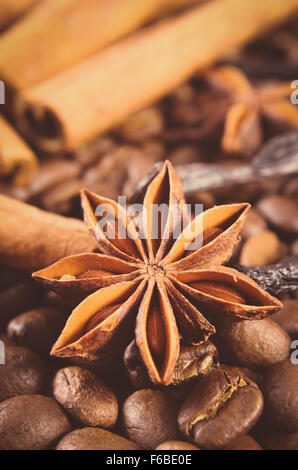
(31, 422)
(23, 373)
(280, 385)
(150, 418)
(193, 361)
(85, 397)
(95, 439)
(223, 406)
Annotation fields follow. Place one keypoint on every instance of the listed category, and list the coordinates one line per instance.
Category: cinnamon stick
(57, 34)
(17, 160)
(76, 105)
(31, 238)
(12, 9)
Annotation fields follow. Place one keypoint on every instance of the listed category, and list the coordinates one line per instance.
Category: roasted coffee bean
(176, 445)
(278, 440)
(18, 299)
(22, 373)
(252, 343)
(185, 154)
(253, 224)
(287, 317)
(150, 418)
(294, 247)
(6, 340)
(37, 329)
(10, 277)
(142, 125)
(243, 442)
(95, 439)
(280, 385)
(193, 361)
(31, 422)
(85, 397)
(222, 406)
(281, 212)
(262, 249)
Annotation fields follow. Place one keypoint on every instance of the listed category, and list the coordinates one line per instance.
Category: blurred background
(98, 92)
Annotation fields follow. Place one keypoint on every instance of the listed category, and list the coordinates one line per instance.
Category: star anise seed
(154, 285)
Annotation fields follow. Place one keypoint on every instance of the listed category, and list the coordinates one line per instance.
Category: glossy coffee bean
(176, 445)
(37, 329)
(95, 439)
(252, 343)
(262, 249)
(31, 422)
(280, 385)
(18, 299)
(223, 406)
(23, 373)
(150, 418)
(287, 317)
(85, 397)
(280, 440)
(253, 224)
(281, 212)
(193, 361)
(243, 442)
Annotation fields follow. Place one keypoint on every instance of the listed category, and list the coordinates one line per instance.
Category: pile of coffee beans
(241, 394)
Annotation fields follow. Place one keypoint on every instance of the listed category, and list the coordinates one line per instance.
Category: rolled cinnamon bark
(31, 239)
(17, 160)
(12, 9)
(93, 96)
(57, 34)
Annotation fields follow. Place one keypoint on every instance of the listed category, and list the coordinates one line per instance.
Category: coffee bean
(176, 445)
(262, 249)
(37, 329)
(22, 373)
(252, 343)
(31, 422)
(18, 299)
(193, 361)
(287, 317)
(280, 211)
(253, 224)
(243, 442)
(278, 440)
(223, 405)
(95, 439)
(150, 418)
(85, 397)
(280, 385)
(6, 340)
(142, 125)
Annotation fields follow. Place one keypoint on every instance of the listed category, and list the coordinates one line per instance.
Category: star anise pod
(161, 285)
(247, 105)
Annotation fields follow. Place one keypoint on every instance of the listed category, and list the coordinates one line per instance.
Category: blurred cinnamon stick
(57, 34)
(12, 9)
(31, 239)
(17, 160)
(78, 104)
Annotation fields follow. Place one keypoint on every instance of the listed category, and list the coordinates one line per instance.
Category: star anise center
(155, 271)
